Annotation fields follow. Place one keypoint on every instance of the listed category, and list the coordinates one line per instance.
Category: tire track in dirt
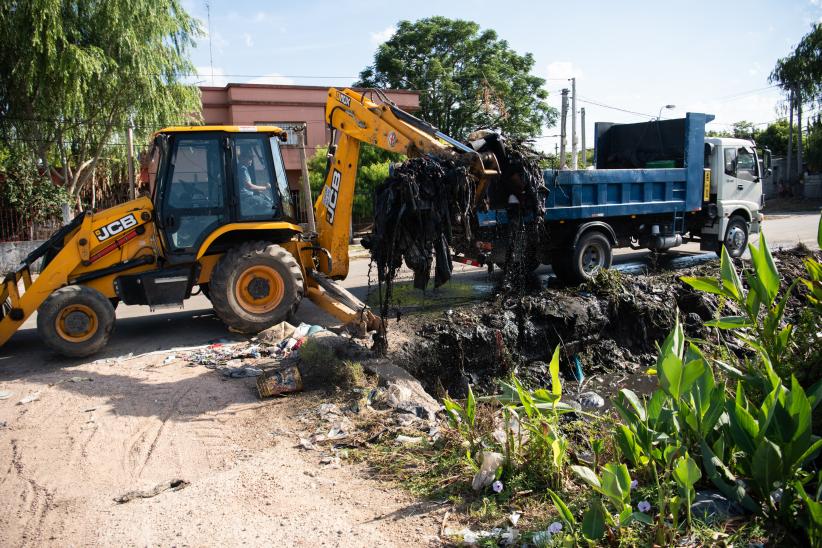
(35, 501)
(172, 410)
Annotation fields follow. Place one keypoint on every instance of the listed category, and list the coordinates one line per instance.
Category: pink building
(283, 106)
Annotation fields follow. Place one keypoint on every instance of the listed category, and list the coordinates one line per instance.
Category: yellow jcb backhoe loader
(219, 217)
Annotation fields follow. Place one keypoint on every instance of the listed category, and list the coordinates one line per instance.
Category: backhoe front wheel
(75, 321)
(255, 285)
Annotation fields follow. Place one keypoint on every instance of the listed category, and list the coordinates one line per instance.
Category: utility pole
(582, 130)
(562, 131)
(306, 191)
(799, 136)
(574, 154)
(788, 170)
(130, 146)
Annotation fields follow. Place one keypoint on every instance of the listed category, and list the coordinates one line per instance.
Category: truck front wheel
(591, 254)
(736, 236)
(75, 321)
(255, 285)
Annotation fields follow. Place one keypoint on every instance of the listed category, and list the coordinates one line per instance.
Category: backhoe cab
(219, 216)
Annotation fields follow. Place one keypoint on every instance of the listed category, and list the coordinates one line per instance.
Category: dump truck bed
(623, 184)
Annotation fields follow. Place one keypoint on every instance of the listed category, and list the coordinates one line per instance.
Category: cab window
(746, 164)
(282, 180)
(730, 162)
(255, 180)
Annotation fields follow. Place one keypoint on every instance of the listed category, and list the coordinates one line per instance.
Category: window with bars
(292, 128)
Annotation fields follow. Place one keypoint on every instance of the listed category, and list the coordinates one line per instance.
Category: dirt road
(101, 427)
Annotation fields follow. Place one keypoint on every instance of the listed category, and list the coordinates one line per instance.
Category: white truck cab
(736, 189)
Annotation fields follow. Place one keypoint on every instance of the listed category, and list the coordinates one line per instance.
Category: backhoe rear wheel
(75, 321)
(255, 285)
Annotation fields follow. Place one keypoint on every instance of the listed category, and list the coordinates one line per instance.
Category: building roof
(290, 86)
(229, 129)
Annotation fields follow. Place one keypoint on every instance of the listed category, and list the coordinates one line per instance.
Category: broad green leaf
(553, 367)
(708, 285)
(819, 233)
(525, 398)
(752, 304)
(725, 481)
(809, 453)
(558, 453)
(593, 522)
(686, 472)
(625, 517)
(588, 476)
(631, 397)
(628, 445)
(814, 507)
(563, 511)
(616, 483)
(814, 394)
(642, 517)
(800, 410)
(730, 322)
(657, 402)
(470, 407)
(765, 270)
(766, 466)
(730, 279)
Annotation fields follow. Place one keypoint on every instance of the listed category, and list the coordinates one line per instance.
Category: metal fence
(15, 227)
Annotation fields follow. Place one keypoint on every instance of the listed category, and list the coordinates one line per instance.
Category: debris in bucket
(279, 381)
(173, 485)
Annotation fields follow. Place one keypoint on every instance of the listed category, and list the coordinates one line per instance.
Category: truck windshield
(746, 164)
(282, 180)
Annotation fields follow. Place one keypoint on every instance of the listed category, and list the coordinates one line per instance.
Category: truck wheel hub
(76, 323)
(259, 288)
(735, 238)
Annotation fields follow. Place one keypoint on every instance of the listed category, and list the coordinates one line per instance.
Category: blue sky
(707, 56)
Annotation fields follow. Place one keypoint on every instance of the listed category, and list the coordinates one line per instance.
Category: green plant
(463, 419)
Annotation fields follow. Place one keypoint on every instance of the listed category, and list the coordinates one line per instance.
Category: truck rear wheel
(591, 254)
(255, 285)
(75, 321)
(736, 236)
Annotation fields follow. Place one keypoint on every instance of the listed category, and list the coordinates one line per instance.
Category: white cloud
(378, 38)
(206, 76)
(249, 42)
(563, 70)
(261, 17)
(273, 78)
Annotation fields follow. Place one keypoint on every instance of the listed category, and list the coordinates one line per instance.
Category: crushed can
(279, 381)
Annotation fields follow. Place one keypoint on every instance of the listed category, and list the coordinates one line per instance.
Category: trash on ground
(30, 398)
(491, 460)
(72, 379)
(505, 536)
(240, 372)
(591, 400)
(331, 462)
(173, 485)
(408, 440)
(5, 394)
(713, 507)
(170, 358)
(279, 381)
(276, 333)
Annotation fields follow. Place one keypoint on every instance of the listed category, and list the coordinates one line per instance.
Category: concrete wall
(12, 253)
(812, 186)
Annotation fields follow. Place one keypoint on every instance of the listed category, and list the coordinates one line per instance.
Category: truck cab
(736, 189)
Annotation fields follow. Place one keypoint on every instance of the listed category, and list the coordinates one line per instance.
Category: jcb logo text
(116, 227)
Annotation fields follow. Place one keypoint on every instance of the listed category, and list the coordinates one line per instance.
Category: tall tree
(468, 78)
(74, 73)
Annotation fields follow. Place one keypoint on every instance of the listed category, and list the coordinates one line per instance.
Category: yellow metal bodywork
(706, 190)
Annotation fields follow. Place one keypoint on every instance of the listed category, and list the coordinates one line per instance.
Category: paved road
(140, 330)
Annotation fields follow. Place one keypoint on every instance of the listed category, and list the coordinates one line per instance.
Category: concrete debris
(408, 440)
(30, 398)
(173, 485)
(403, 391)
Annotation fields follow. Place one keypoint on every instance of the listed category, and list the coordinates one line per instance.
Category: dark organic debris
(173, 485)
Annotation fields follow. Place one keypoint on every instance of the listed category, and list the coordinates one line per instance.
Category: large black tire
(592, 253)
(255, 285)
(75, 321)
(736, 236)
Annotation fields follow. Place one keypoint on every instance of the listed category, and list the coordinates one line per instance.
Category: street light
(669, 107)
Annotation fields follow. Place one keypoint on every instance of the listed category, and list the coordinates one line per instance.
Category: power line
(590, 102)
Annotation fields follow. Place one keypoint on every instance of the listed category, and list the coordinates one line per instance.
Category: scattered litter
(240, 372)
(5, 394)
(279, 381)
(488, 470)
(505, 536)
(306, 444)
(276, 333)
(408, 440)
(331, 462)
(173, 485)
(514, 518)
(170, 358)
(30, 398)
(591, 400)
(72, 379)
(713, 507)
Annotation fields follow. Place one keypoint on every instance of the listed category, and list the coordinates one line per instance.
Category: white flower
(497, 486)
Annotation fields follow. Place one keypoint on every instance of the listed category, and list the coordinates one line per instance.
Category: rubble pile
(600, 330)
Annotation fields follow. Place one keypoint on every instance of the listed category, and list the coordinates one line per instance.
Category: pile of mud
(609, 326)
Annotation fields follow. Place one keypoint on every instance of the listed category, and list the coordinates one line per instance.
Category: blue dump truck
(654, 185)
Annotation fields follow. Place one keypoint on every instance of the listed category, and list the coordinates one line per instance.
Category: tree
(73, 74)
(468, 78)
(774, 137)
(371, 171)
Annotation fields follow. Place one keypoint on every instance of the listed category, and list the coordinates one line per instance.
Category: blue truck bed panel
(584, 194)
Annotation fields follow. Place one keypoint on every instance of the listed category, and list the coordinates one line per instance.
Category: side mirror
(283, 136)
